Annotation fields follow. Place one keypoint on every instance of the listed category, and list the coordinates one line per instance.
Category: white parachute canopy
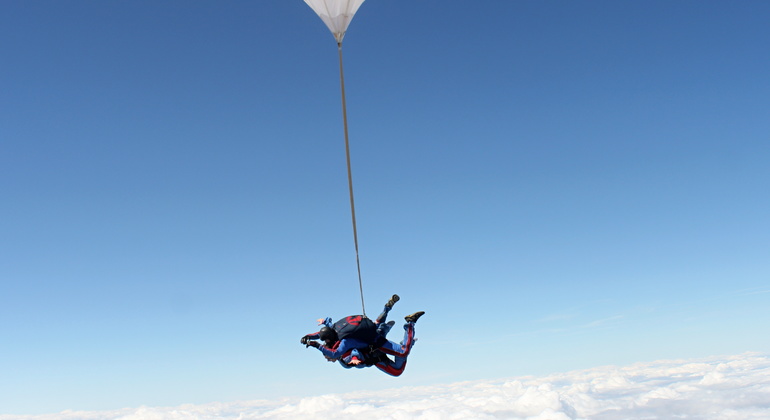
(336, 14)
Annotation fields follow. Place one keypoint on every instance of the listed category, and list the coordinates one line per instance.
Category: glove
(313, 344)
(304, 339)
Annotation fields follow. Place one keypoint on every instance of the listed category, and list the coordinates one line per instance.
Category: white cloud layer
(725, 388)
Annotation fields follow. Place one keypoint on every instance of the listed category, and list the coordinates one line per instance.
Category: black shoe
(414, 317)
(392, 301)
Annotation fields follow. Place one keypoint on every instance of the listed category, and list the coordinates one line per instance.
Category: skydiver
(376, 353)
(363, 334)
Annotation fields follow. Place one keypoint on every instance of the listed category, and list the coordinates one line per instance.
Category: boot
(392, 301)
(414, 317)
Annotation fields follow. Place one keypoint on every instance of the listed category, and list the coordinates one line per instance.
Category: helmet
(327, 334)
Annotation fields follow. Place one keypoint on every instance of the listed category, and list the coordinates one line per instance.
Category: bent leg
(388, 306)
(383, 316)
(393, 368)
(400, 350)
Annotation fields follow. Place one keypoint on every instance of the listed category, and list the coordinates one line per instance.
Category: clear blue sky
(558, 184)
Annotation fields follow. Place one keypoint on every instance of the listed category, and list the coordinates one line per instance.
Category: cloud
(735, 387)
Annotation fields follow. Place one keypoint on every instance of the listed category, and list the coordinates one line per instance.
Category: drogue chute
(336, 14)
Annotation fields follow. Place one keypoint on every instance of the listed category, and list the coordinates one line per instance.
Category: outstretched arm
(306, 338)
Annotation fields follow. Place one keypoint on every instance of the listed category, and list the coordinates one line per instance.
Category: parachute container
(336, 14)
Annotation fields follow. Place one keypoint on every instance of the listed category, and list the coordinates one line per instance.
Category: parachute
(336, 14)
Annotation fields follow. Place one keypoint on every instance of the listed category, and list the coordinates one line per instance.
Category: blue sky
(559, 185)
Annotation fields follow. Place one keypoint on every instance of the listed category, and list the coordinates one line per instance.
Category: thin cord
(350, 179)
